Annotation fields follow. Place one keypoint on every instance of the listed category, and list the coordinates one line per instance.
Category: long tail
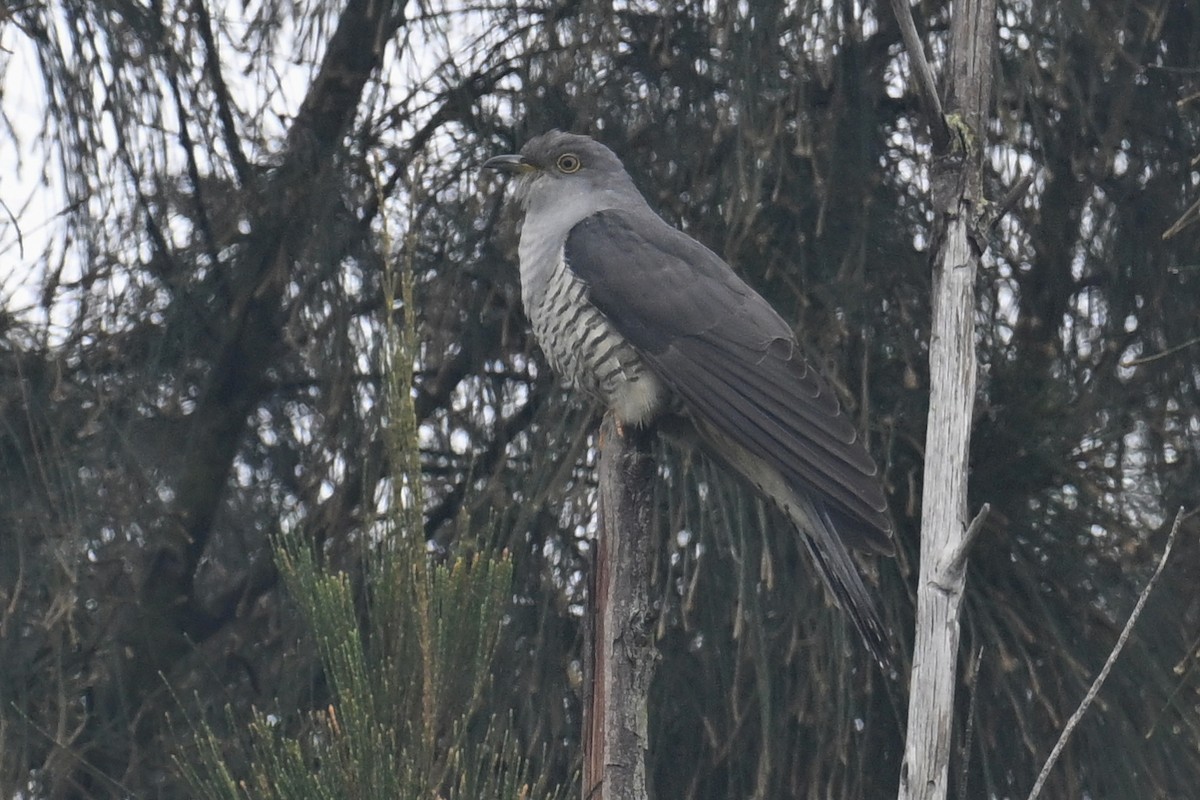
(833, 560)
(840, 574)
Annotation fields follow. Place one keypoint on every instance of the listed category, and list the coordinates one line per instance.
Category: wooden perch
(956, 178)
(620, 656)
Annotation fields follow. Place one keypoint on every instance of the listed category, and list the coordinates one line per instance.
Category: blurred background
(200, 203)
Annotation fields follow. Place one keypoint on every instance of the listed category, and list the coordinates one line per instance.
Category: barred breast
(588, 352)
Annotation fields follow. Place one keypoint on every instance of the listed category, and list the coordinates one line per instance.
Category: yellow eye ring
(568, 163)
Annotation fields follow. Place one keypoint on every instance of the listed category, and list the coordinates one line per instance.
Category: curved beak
(512, 164)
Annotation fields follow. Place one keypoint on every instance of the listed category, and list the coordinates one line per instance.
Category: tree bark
(956, 180)
(619, 639)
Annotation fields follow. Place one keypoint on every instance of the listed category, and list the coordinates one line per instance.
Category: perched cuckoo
(651, 322)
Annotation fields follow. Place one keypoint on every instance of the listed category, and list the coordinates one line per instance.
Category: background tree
(190, 341)
(406, 654)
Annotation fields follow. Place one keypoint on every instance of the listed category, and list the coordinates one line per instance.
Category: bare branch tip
(1098, 683)
(957, 562)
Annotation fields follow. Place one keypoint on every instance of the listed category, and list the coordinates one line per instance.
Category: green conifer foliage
(407, 656)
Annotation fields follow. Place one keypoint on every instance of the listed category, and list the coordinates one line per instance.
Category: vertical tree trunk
(619, 638)
(956, 179)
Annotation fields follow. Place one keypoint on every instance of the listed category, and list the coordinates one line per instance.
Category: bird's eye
(569, 162)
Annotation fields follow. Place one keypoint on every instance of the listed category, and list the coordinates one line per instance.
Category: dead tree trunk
(620, 656)
(956, 180)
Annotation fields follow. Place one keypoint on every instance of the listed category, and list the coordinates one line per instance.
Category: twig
(958, 561)
(1011, 199)
(926, 85)
(16, 227)
(1134, 362)
(1097, 684)
(964, 757)
(1189, 217)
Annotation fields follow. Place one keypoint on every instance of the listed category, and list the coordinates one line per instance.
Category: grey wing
(732, 360)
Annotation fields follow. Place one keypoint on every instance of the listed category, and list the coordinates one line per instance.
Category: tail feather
(825, 543)
(840, 575)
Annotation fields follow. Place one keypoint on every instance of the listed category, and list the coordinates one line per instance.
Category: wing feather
(731, 359)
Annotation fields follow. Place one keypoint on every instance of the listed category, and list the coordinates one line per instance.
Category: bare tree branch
(1098, 684)
(957, 188)
(931, 103)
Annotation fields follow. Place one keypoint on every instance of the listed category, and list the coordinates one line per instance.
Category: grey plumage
(646, 318)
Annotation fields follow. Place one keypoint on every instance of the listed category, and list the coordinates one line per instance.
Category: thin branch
(193, 169)
(212, 65)
(927, 92)
(1011, 199)
(1133, 362)
(1097, 684)
(1189, 217)
(964, 756)
(16, 227)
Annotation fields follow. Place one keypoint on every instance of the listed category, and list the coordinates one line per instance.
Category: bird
(639, 315)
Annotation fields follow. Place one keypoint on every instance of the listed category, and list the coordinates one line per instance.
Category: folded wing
(732, 360)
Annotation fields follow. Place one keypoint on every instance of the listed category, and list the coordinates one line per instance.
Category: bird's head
(559, 169)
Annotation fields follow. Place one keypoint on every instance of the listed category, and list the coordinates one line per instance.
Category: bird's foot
(613, 421)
